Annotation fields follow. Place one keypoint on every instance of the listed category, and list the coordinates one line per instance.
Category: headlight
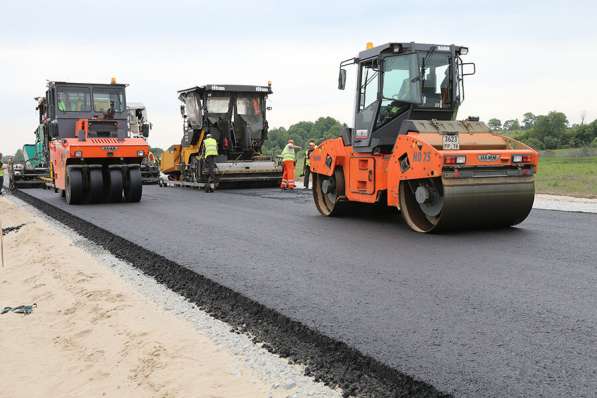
(521, 158)
(141, 153)
(78, 154)
(455, 159)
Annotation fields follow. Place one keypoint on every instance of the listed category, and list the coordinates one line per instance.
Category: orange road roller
(408, 151)
(92, 158)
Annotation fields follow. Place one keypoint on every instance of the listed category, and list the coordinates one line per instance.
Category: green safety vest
(1, 171)
(307, 158)
(288, 153)
(61, 106)
(211, 147)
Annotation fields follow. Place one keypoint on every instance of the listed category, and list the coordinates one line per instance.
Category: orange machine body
(87, 150)
(373, 178)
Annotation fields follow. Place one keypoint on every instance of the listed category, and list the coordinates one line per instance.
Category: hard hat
(208, 136)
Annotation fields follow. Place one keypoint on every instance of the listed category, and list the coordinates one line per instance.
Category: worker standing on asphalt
(288, 163)
(210, 153)
(307, 164)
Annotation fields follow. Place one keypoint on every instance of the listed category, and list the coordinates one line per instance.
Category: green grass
(569, 152)
(572, 176)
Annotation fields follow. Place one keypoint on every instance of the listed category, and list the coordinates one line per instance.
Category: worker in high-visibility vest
(307, 163)
(210, 154)
(288, 163)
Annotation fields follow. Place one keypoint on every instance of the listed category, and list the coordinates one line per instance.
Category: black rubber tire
(133, 189)
(74, 186)
(113, 186)
(95, 189)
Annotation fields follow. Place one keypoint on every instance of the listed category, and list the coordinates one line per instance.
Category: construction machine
(92, 158)
(408, 151)
(235, 115)
(139, 127)
(34, 170)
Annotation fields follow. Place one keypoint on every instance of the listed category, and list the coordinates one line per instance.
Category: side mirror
(145, 129)
(342, 79)
(468, 69)
(269, 108)
(182, 110)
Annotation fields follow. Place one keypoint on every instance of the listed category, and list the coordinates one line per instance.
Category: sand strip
(94, 335)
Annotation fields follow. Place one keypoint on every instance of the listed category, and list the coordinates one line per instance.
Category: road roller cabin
(92, 157)
(406, 149)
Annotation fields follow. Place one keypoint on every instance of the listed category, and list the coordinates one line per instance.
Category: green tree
(511, 125)
(528, 120)
(550, 129)
(157, 152)
(583, 135)
(301, 133)
(534, 143)
(19, 158)
(495, 124)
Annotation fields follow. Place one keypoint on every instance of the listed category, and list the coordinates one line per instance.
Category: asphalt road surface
(507, 313)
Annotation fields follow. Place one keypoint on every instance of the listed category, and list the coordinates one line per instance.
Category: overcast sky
(532, 56)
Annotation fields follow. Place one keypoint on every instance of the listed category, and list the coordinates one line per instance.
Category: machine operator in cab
(210, 146)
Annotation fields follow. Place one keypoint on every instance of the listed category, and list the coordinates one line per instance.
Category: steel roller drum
(470, 203)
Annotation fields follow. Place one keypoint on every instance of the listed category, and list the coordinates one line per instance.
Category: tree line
(301, 133)
(551, 131)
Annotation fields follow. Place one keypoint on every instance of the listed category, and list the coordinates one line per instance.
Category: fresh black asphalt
(506, 313)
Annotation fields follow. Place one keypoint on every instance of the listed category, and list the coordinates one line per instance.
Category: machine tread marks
(133, 189)
(74, 186)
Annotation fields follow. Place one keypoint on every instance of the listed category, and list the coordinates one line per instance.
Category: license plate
(450, 141)
(488, 157)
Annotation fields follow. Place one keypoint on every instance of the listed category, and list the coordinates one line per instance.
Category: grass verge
(572, 176)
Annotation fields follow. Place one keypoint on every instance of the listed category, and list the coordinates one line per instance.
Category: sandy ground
(92, 335)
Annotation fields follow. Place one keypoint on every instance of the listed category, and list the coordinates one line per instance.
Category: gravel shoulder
(101, 328)
(565, 203)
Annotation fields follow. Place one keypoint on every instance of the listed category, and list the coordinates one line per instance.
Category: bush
(535, 144)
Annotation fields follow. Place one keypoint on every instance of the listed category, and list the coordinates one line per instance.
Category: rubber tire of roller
(74, 186)
(113, 186)
(95, 190)
(133, 189)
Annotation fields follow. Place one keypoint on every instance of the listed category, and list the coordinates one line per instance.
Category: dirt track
(499, 313)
